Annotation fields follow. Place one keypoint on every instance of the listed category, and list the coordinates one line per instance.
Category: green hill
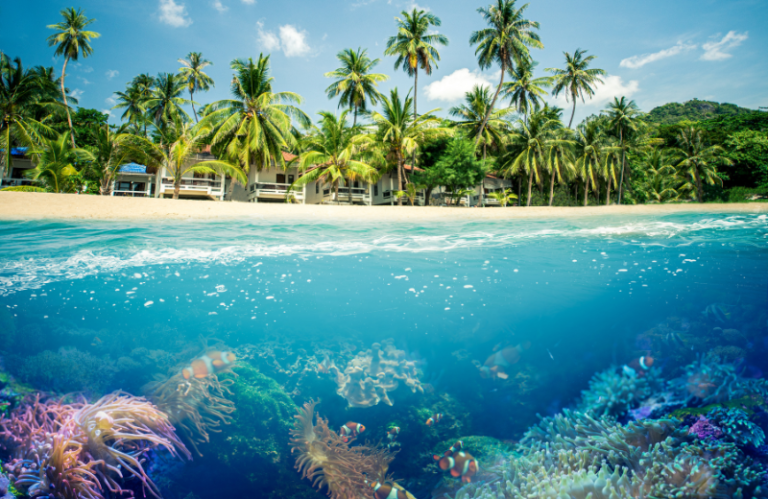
(693, 110)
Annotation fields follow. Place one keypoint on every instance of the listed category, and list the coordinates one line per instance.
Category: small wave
(30, 272)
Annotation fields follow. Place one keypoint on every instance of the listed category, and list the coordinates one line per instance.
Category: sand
(35, 206)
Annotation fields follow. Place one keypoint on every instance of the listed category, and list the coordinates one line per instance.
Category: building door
(280, 178)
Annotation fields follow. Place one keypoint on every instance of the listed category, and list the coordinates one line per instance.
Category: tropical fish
(393, 433)
(434, 419)
(210, 363)
(454, 448)
(497, 364)
(350, 430)
(461, 464)
(719, 311)
(638, 367)
(96, 341)
(673, 338)
(389, 490)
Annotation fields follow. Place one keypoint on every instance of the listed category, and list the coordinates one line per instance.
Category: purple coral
(703, 428)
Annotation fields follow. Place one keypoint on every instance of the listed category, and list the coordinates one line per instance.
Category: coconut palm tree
(504, 197)
(331, 154)
(355, 85)
(414, 46)
(257, 125)
(527, 149)
(588, 151)
(525, 92)
(112, 152)
(165, 103)
(55, 163)
(143, 85)
(410, 192)
(132, 101)
(21, 99)
(71, 40)
(623, 116)
(661, 183)
(505, 41)
(180, 140)
(561, 164)
(192, 72)
(399, 131)
(577, 80)
(471, 115)
(698, 160)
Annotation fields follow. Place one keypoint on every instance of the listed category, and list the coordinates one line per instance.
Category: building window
(375, 189)
(290, 179)
(317, 187)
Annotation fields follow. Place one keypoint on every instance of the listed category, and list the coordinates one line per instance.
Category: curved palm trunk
(349, 191)
(66, 106)
(399, 177)
(573, 113)
(415, 112)
(586, 190)
(552, 187)
(519, 189)
(336, 188)
(105, 189)
(623, 152)
(231, 188)
(427, 195)
(597, 196)
(192, 99)
(482, 184)
(176, 189)
(699, 185)
(493, 103)
(530, 185)
(608, 194)
(7, 151)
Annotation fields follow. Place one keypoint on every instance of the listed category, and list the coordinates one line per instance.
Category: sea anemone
(613, 393)
(328, 461)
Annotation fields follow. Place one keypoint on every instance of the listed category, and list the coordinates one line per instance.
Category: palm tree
(355, 84)
(661, 183)
(112, 152)
(164, 104)
(20, 100)
(55, 161)
(414, 46)
(180, 141)
(623, 118)
(257, 124)
(526, 92)
(410, 192)
(504, 197)
(560, 160)
(71, 41)
(196, 79)
(527, 149)
(698, 160)
(576, 80)
(504, 42)
(472, 113)
(132, 101)
(330, 155)
(400, 132)
(143, 84)
(588, 150)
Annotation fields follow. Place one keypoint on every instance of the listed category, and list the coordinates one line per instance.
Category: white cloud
(111, 101)
(112, 73)
(76, 93)
(638, 61)
(612, 86)
(220, 6)
(267, 39)
(248, 2)
(87, 69)
(453, 87)
(174, 14)
(108, 112)
(716, 51)
(294, 41)
(85, 81)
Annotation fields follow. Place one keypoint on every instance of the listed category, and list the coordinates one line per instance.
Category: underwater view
(593, 357)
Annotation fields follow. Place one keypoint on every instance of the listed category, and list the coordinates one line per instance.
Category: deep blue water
(579, 292)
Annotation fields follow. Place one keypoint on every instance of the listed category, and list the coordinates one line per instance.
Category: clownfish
(638, 367)
(208, 364)
(434, 419)
(454, 448)
(389, 490)
(350, 431)
(461, 465)
(393, 433)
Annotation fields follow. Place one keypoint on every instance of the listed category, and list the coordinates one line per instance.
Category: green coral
(479, 446)
(256, 442)
(737, 427)
(747, 404)
(614, 393)
(67, 370)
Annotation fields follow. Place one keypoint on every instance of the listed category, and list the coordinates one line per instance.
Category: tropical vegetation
(502, 144)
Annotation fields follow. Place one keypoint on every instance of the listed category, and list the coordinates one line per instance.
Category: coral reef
(68, 370)
(5, 488)
(371, 375)
(708, 381)
(328, 461)
(614, 393)
(704, 428)
(197, 407)
(736, 427)
(80, 450)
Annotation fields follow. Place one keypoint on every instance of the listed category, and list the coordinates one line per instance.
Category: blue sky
(654, 51)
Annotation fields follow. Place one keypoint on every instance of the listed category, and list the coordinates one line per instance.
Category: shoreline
(22, 206)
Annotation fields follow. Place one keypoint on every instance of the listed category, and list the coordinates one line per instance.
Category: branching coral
(369, 376)
(330, 462)
(197, 406)
(614, 393)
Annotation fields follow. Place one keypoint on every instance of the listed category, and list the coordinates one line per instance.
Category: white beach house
(20, 164)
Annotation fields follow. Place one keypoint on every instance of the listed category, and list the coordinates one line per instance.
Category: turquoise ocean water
(95, 306)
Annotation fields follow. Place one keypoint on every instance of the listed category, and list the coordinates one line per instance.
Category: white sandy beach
(30, 206)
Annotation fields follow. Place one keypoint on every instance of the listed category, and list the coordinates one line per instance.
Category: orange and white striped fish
(393, 433)
(461, 464)
(454, 448)
(388, 490)
(434, 419)
(350, 431)
(210, 363)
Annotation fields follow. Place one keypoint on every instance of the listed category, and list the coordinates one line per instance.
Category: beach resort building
(20, 164)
